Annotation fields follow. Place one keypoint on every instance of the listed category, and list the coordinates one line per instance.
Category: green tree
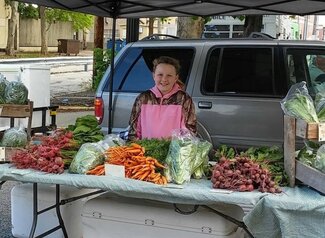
(48, 16)
(191, 27)
(253, 23)
(12, 27)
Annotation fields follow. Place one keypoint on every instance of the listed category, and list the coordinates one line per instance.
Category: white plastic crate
(119, 217)
(36, 78)
(22, 213)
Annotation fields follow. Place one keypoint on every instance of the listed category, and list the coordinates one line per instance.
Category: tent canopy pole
(110, 104)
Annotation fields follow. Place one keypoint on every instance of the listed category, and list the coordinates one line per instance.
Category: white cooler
(36, 78)
(119, 217)
(22, 210)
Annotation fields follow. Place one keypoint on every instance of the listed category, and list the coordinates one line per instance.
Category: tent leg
(110, 104)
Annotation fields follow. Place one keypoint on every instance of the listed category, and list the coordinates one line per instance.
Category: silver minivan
(236, 84)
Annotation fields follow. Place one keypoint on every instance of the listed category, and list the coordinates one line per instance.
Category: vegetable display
(156, 148)
(320, 159)
(182, 150)
(200, 164)
(242, 174)
(3, 85)
(14, 137)
(86, 130)
(137, 166)
(299, 104)
(16, 93)
(320, 106)
(45, 156)
(307, 154)
(270, 158)
(88, 157)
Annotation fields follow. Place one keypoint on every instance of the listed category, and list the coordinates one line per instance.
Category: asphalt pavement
(66, 78)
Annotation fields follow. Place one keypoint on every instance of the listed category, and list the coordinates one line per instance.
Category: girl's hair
(167, 60)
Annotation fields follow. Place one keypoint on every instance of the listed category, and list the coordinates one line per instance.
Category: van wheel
(203, 133)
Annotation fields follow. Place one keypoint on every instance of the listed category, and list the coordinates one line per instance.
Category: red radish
(242, 174)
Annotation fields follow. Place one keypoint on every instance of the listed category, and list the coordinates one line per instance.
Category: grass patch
(19, 55)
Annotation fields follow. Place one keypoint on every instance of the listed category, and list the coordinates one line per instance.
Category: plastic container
(120, 217)
(22, 205)
(37, 138)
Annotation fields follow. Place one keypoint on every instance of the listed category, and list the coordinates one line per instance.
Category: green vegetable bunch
(3, 85)
(320, 106)
(16, 93)
(224, 151)
(86, 129)
(156, 148)
(320, 159)
(14, 137)
(301, 107)
(181, 152)
(88, 157)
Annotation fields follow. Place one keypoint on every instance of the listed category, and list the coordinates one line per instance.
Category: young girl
(163, 108)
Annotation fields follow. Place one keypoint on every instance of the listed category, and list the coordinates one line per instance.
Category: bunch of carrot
(137, 165)
(98, 170)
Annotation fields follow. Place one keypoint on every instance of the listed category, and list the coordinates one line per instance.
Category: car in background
(236, 84)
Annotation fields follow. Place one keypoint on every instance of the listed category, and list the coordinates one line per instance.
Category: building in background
(277, 26)
(5, 15)
(281, 27)
(167, 26)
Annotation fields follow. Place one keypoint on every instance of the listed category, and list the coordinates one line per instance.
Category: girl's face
(165, 77)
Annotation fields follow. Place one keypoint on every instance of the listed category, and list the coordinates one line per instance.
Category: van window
(307, 65)
(138, 77)
(240, 71)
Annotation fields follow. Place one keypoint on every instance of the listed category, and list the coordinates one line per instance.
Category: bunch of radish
(242, 174)
(61, 138)
(39, 157)
(47, 156)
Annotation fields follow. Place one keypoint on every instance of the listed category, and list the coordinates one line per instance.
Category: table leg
(58, 212)
(36, 213)
(233, 220)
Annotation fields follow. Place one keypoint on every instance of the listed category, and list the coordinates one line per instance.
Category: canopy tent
(160, 8)
(168, 8)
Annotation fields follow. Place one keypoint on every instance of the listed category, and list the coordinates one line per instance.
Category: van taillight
(99, 112)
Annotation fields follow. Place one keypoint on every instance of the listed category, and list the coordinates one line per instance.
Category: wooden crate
(295, 169)
(310, 176)
(310, 130)
(15, 110)
(6, 153)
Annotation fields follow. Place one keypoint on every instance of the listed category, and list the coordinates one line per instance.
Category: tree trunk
(253, 23)
(188, 27)
(99, 32)
(44, 43)
(151, 23)
(12, 26)
(84, 41)
(98, 42)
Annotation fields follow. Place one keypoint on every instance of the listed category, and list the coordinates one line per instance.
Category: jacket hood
(158, 94)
